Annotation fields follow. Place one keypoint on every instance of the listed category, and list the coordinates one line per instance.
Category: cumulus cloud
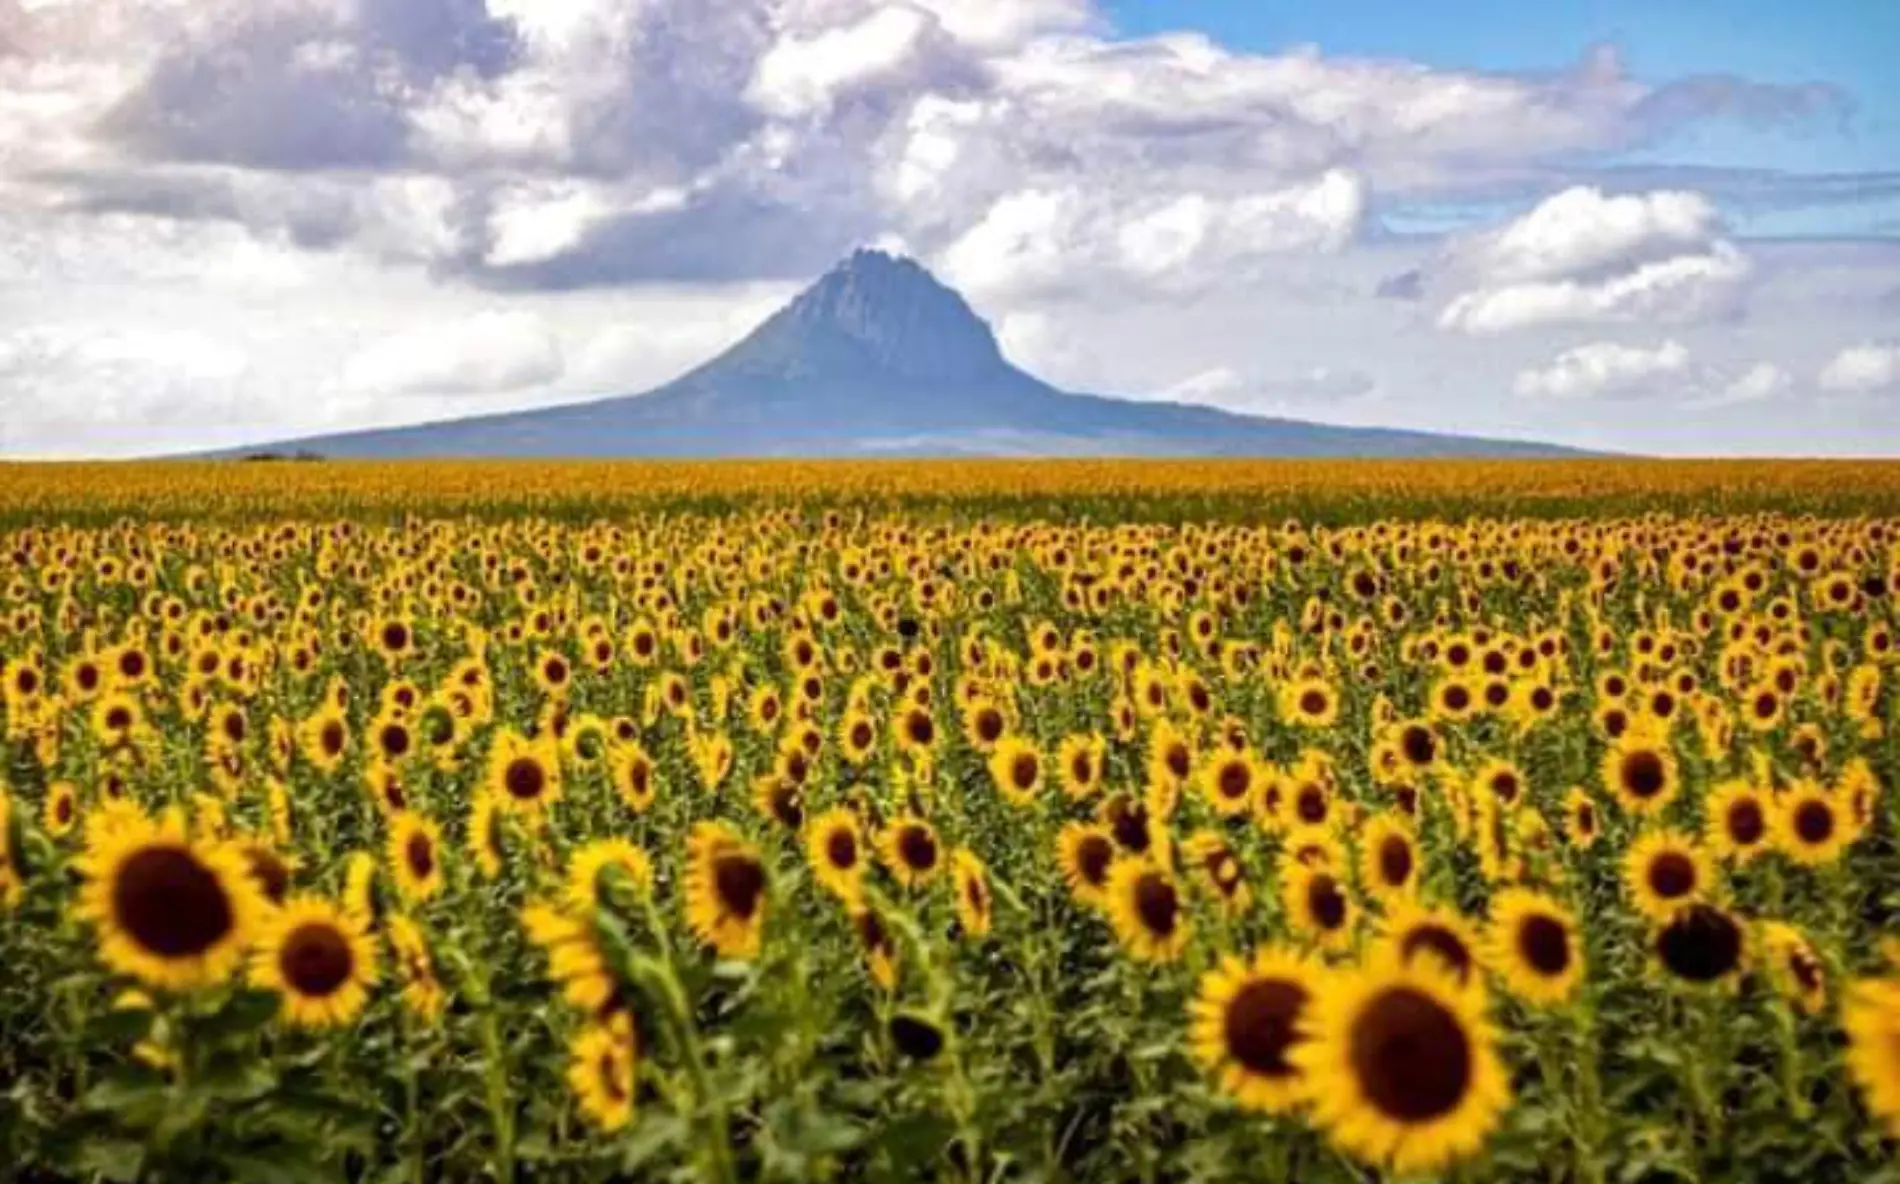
(1762, 381)
(1864, 369)
(1583, 257)
(490, 353)
(1605, 369)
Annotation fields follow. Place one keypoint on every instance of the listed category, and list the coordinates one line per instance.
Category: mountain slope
(879, 359)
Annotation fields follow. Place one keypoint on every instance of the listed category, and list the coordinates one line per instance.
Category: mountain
(878, 358)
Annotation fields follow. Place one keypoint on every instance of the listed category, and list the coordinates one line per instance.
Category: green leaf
(119, 1160)
(234, 1079)
(127, 1088)
(654, 1135)
(120, 1028)
(244, 1013)
(290, 1166)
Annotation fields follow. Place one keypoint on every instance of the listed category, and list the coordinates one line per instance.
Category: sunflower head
(319, 958)
(1247, 1018)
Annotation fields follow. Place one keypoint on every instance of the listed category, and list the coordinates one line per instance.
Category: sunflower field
(823, 831)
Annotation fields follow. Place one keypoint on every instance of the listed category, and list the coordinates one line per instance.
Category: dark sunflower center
(1419, 745)
(525, 779)
(1395, 860)
(331, 739)
(1671, 875)
(1312, 804)
(270, 872)
(1263, 1024)
(170, 903)
(420, 853)
(922, 730)
(917, 847)
(1130, 823)
(1325, 902)
(316, 959)
(1814, 822)
(1746, 823)
(1092, 857)
(1023, 771)
(1643, 773)
(395, 740)
(860, 735)
(1234, 781)
(1156, 904)
(740, 882)
(395, 637)
(1313, 703)
(1701, 944)
(842, 849)
(1544, 945)
(1440, 942)
(1081, 768)
(916, 1038)
(1411, 1055)
(989, 725)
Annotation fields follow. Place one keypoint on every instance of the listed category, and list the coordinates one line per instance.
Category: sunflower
(325, 739)
(1810, 827)
(911, 850)
(12, 883)
(970, 882)
(1016, 768)
(1229, 781)
(857, 737)
(1245, 1021)
(268, 869)
(1316, 900)
(577, 963)
(1147, 911)
(486, 834)
(1664, 869)
(1793, 966)
(1309, 703)
(60, 813)
(598, 864)
(319, 958)
(415, 856)
(524, 776)
(422, 991)
(984, 723)
(1389, 858)
(601, 1064)
(880, 951)
(1738, 823)
(632, 773)
(1218, 866)
(1084, 854)
(1532, 943)
(1413, 931)
(1403, 1067)
(1640, 773)
(1700, 944)
(726, 890)
(834, 845)
(1079, 764)
(1870, 1015)
(171, 913)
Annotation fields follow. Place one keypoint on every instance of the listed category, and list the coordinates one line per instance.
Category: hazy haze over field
(233, 220)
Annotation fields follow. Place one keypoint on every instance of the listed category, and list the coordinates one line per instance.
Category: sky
(1657, 226)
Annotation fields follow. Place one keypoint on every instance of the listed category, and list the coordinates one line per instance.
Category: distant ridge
(878, 358)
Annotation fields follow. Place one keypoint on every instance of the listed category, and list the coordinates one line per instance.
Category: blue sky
(1666, 226)
(1846, 43)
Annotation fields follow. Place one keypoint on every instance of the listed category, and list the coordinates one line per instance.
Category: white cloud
(489, 353)
(1862, 369)
(803, 75)
(1763, 380)
(1580, 257)
(1040, 238)
(1605, 369)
